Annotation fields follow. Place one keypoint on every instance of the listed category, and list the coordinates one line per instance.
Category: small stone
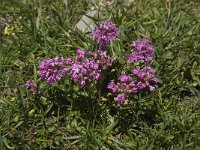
(86, 23)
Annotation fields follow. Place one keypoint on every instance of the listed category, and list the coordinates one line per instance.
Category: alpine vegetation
(88, 66)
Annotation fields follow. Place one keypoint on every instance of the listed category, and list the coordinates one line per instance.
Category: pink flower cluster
(124, 86)
(53, 69)
(85, 66)
(105, 33)
(138, 79)
(146, 78)
(143, 51)
(127, 84)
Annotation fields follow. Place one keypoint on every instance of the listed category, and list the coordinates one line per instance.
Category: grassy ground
(37, 29)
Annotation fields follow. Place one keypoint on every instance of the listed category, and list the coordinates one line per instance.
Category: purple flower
(125, 78)
(105, 33)
(103, 59)
(152, 89)
(138, 72)
(143, 51)
(84, 67)
(95, 74)
(146, 78)
(90, 53)
(53, 70)
(80, 54)
(31, 86)
(78, 73)
(112, 86)
(133, 87)
(124, 86)
(120, 98)
(146, 74)
(94, 64)
(82, 82)
(141, 85)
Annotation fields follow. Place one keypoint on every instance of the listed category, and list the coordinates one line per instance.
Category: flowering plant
(138, 79)
(88, 67)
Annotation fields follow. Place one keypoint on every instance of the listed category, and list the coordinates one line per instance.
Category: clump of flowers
(120, 98)
(103, 59)
(85, 66)
(54, 69)
(105, 33)
(124, 86)
(138, 79)
(143, 51)
(32, 87)
(89, 65)
(146, 78)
